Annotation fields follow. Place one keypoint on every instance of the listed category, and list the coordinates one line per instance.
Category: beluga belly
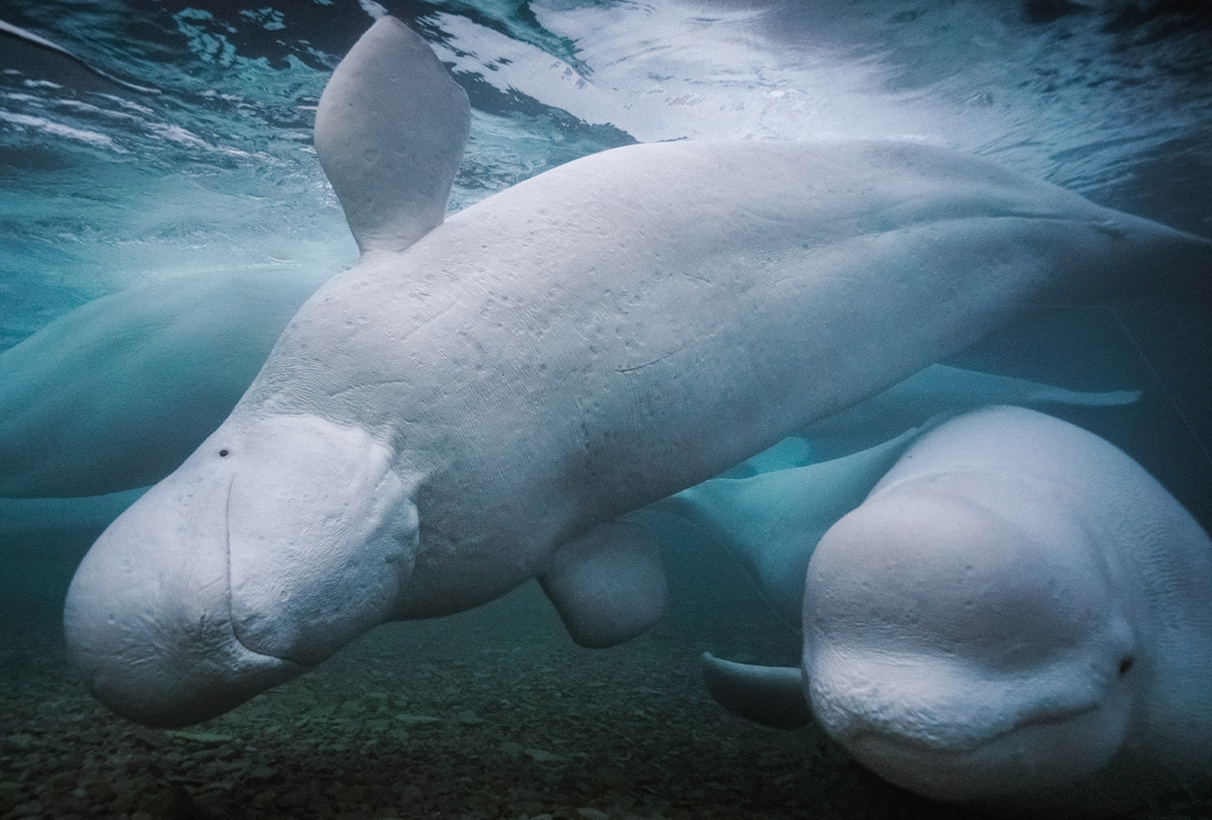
(445, 421)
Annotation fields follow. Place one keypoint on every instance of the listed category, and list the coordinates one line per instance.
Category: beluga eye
(223, 453)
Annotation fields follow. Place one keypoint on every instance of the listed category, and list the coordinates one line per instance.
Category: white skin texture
(589, 341)
(1016, 617)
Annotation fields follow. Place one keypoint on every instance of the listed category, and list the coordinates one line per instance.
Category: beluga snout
(275, 544)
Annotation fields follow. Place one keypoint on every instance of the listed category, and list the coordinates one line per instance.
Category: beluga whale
(445, 421)
(1016, 618)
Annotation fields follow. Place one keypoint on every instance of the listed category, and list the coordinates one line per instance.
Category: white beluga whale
(115, 394)
(1016, 618)
(438, 425)
(770, 510)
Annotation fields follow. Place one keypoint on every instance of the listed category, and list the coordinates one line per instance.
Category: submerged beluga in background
(449, 419)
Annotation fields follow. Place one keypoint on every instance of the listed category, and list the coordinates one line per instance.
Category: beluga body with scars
(445, 421)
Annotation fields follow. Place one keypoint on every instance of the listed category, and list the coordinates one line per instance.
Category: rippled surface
(103, 188)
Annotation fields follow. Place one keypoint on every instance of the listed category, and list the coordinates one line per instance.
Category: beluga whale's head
(276, 543)
(964, 639)
(288, 532)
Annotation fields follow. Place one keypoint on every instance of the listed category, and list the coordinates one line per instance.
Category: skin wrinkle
(231, 621)
(359, 388)
(662, 358)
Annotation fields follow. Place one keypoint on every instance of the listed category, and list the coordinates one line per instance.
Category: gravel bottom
(490, 714)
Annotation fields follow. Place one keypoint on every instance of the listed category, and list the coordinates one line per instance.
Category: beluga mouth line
(943, 749)
(231, 618)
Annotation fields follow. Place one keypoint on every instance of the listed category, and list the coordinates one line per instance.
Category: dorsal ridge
(390, 131)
